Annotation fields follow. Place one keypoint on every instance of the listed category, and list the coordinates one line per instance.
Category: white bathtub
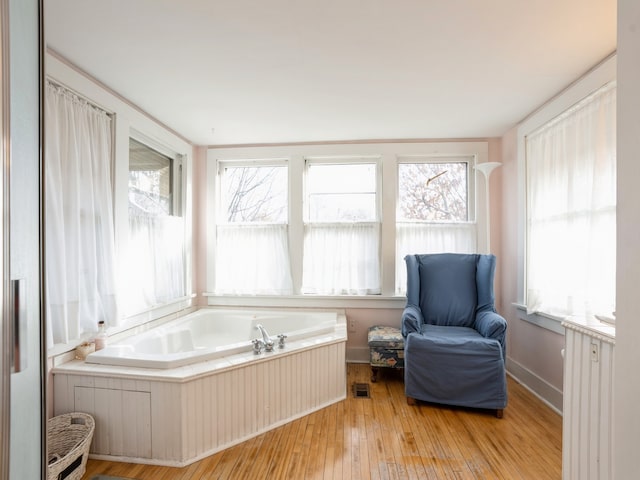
(211, 333)
(176, 416)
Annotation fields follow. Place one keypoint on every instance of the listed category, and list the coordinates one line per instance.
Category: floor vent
(361, 390)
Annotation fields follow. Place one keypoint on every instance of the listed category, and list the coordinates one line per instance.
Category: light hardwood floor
(384, 438)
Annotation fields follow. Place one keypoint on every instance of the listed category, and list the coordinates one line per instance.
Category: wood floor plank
(384, 438)
(296, 454)
(340, 447)
(318, 446)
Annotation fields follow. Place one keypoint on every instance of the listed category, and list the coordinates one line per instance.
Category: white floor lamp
(486, 169)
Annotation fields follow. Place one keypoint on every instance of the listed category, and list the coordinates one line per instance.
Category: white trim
(308, 301)
(540, 319)
(252, 162)
(357, 355)
(547, 393)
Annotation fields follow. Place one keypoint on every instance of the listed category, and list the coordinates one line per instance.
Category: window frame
(595, 79)
(173, 202)
(472, 214)
(296, 154)
(471, 162)
(178, 208)
(217, 216)
(178, 160)
(343, 160)
(374, 160)
(264, 162)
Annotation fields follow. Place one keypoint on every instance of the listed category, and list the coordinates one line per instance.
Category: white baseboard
(357, 354)
(542, 389)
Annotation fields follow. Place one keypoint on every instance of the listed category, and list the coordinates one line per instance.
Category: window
(156, 252)
(254, 194)
(433, 214)
(252, 254)
(342, 193)
(150, 181)
(342, 228)
(571, 204)
(334, 219)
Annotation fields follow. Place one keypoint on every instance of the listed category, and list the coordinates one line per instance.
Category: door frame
(6, 321)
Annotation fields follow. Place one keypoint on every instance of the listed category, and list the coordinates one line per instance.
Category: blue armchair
(454, 340)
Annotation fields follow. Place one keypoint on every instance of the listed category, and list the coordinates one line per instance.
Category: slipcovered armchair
(454, 340)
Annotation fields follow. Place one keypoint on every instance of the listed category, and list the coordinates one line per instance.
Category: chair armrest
(412, 319)
(491, 325)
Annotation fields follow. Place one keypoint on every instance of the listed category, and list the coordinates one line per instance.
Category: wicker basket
(68, 441)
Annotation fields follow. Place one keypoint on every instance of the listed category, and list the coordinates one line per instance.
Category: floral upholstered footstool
(386, 349)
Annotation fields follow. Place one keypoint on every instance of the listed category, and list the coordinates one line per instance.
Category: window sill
(307, 301)
(541, 320)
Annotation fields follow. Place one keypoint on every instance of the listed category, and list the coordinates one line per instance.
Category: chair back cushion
(448, 294)
(485, 271)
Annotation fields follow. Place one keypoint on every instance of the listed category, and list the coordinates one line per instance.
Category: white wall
(626, 392)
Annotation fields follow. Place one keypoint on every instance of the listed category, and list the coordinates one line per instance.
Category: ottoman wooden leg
(374, 374)
(411, 401)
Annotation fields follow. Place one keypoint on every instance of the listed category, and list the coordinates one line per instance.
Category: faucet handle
(257, 346)
(281, 339)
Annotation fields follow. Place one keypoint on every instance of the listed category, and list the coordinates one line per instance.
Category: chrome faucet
(266, 339)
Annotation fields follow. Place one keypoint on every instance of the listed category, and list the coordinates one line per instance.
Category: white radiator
(587, 411)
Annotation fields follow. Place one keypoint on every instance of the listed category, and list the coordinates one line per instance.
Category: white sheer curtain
(341, 259)
(414, 237)
(571, 202)
(252, 260)
(80, 259)
(155, 261)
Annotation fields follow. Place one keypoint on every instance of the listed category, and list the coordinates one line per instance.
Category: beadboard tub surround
(180, 415)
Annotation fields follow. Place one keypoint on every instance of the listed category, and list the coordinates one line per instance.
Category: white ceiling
(275, 71)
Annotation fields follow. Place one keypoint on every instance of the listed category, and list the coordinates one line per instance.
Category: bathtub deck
(383, 437)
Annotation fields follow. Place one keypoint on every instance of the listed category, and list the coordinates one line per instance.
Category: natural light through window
(149, 181)
(571, 210)
(433, 192)
(342, 232)
(252, 253)
(342, 193)
(433, 214)
(156, 265)
(254, 194)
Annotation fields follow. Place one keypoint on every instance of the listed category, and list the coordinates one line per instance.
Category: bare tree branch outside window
(255, 194)
(433, 192)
